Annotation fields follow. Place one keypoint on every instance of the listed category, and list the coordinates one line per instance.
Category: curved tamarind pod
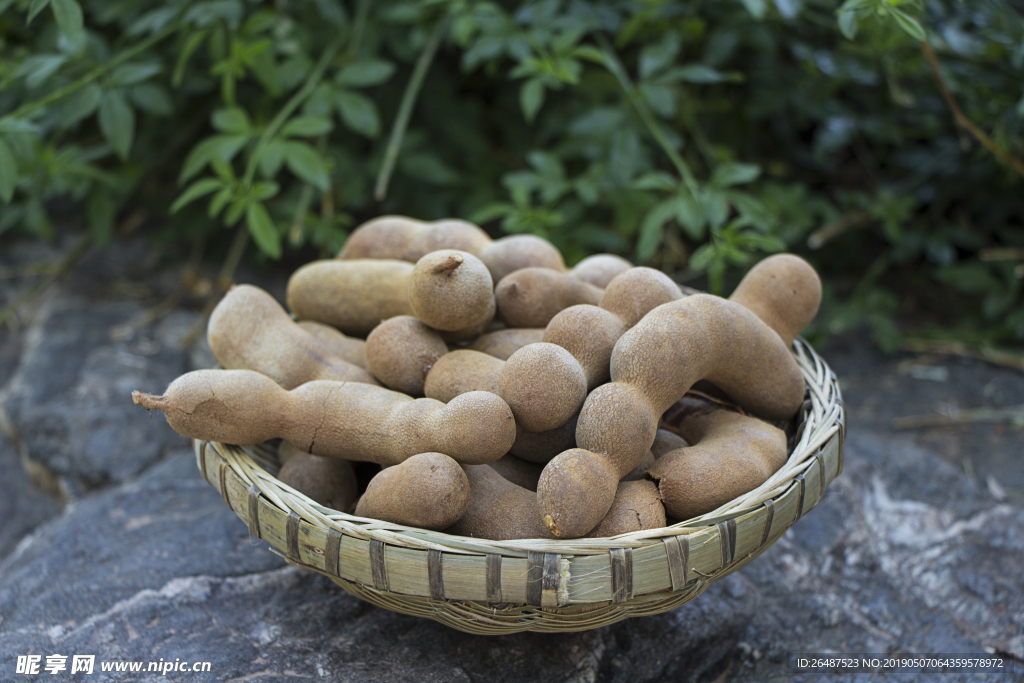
(351, 349)
(599, 269)
(340, 419)
(784, 291)
(637, 506)
(653, 365)
(331, 482)
(589, 333)
(427, 490)
(665, 441)
(500, 510)
(249, 330)
(462, 371)
(352, 296)
(401, 351)
(503, 343)
(531, 297)
(540, 447)
(407, 239)
(518, 471)
(731, 455)
(511, 253)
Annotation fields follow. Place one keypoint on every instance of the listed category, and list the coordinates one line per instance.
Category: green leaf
(265, 190)
(589, 53)
(365, 73)
(39, 67)
(531, 98)
(652, 229)
(698, 73)
(8, 172)
(757, 8)
(80, 104)
(691, 217)
(306, 163)
(69, 18)
(655, 180)
(17, 126)
(117, 121)
(236, 209)
(34, 8)
(272, 158)
(152, 98)
(263, 230)
(196, 190)
(191, 45)
(358, 112)
(306, 127)
(130, 74)
(657, 56)
(908, 24)
(231, 120)
(219, 201)
(734, 173)
(223, 147)
(848, 24)
(101, 211)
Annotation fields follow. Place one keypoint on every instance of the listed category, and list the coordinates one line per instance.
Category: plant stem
(615, 67)
(419, 72)
(91, 76)
(290, 106)
(227, 270)
(962, 119)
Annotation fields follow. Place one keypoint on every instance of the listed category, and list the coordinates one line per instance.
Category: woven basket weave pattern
(494, 587)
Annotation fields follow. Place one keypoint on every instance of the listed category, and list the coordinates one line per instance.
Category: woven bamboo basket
(496, 587)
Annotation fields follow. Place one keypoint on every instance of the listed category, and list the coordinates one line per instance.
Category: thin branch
(953, 348)
(615, 67)
(412, 90)
(829, 232)
(1013, 416)
(227, 270)
(961, 119)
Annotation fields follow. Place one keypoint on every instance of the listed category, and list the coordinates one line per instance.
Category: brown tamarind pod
(331, 482)
(339, 419)
(638, 472)
(540, 447)
(503, 343)
(652, 366)
(518, 471)
(401, 351)
(427, 490)
(589, 333)
(784, 291)
(665, 441)
(500, 510)
(352, 296)
(731, 455)
(599, 269)
(351, 349)
(408, 239)
(452, 291)
(531, 297)
(511, 253)
(637, 506)
(462, 371)
(249, 330)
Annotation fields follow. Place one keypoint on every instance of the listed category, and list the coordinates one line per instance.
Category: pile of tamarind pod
(501, 394)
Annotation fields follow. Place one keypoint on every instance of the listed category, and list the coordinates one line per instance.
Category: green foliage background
(695, 135)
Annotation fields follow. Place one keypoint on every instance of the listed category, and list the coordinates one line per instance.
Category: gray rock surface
(911, 550)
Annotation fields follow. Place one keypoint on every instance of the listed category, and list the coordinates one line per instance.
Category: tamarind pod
(500, 510)
(731, 455)
(452, 291)
(531, 297)
(339, 419)
(249, 330)
(427, 490)
(462, 371)
(331, 482)
(589, 333)
(503, 343)
(652, 366)
(784, 291)
(511, 253)
(408, 239)
(518, 471)
(401, 351)
(540, 447)
(599, 269)
(352, 296)
(665, 441)
(638, 472)
(351, 349)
